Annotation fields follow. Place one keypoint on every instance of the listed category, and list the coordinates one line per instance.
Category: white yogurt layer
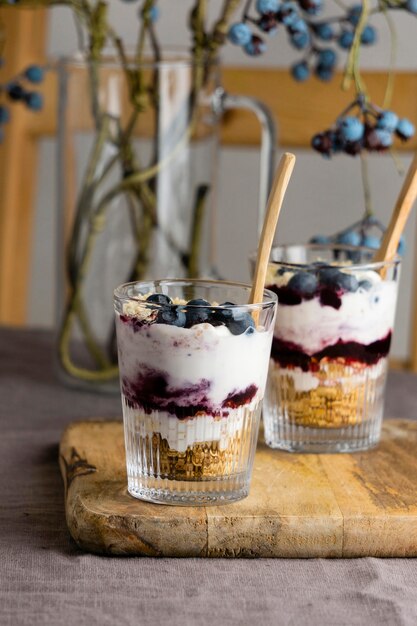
(364, 316)
(183, 433)
(187, 356)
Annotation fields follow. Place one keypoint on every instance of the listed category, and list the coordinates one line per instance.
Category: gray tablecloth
(45, 579)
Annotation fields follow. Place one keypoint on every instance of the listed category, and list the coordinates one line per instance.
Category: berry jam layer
(288, 354)
(152, 391)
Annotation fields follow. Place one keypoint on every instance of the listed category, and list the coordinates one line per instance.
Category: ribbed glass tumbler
(193, 360)
(329, 358)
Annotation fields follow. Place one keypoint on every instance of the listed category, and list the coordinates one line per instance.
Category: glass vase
(138, 149)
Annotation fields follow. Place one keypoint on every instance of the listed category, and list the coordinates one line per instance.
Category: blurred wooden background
(300, 109)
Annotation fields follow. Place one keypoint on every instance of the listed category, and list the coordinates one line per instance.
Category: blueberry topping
(240, 323)
(159, 298)
(333, 278)
(199, 302)
(173, 315)
(303, 282)
(222, 316)
(198, 313)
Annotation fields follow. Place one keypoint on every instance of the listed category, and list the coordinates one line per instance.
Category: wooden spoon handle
(402, 209)
(276, 197)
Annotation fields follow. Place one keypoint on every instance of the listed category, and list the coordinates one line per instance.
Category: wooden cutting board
(312, 505)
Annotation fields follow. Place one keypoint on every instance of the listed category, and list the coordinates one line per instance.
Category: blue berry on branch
(300, 41)
(345, 39)
(154, 13)
(240, 34)
(320, 240)
(15, 91)
(324, 72)
(34, 100)
(323, 31)
(34, 74)
(349, 238)
(368, 36)
(405, 129)
(327, 57)
(312, 7)
(387, 120)
(300, 71)
(371, 241)
(255, 47)
(351, 128)
(354, 14)
(267, 6)
(288, 13)
(411, 5)
(4, 115)
(268, 24)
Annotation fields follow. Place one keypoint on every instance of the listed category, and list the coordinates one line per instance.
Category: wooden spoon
(275, 200)
(403, 206)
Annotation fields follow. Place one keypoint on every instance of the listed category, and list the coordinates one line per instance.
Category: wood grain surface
(345, 505)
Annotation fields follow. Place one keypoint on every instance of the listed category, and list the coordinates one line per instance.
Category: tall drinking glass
(332, 338)
(193, 360)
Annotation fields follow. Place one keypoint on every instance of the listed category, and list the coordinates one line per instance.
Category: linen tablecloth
(45, 579)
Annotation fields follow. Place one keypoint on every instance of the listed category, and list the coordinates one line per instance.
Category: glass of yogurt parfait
(193, 360)
(332, 337)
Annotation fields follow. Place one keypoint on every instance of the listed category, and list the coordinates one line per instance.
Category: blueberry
(323, 72)
(267, 6)
(220, 315)
(268, 24)
(312, 7)
(173, 315)
(300, 40)
(327, 57)
(323, 143)
(354, 14)
(351, 128)
(240, 323)
(154, 13)
(368, 36)
(198, 313)
(320, 239)
(287, 13)
(387, 120)
(371, 241)
(349, 238)
(159, 298)
(34, 74)
(303, 282)
(300, 71)
(240, 34)
(15, 91)
(324, 31)
(405, 129)
(34, 100)
(365, 284)
(384, 137)
(345, 39)
(4, 115)
(255, 47)
(298, 26)
(335, 279)
(411, 5)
